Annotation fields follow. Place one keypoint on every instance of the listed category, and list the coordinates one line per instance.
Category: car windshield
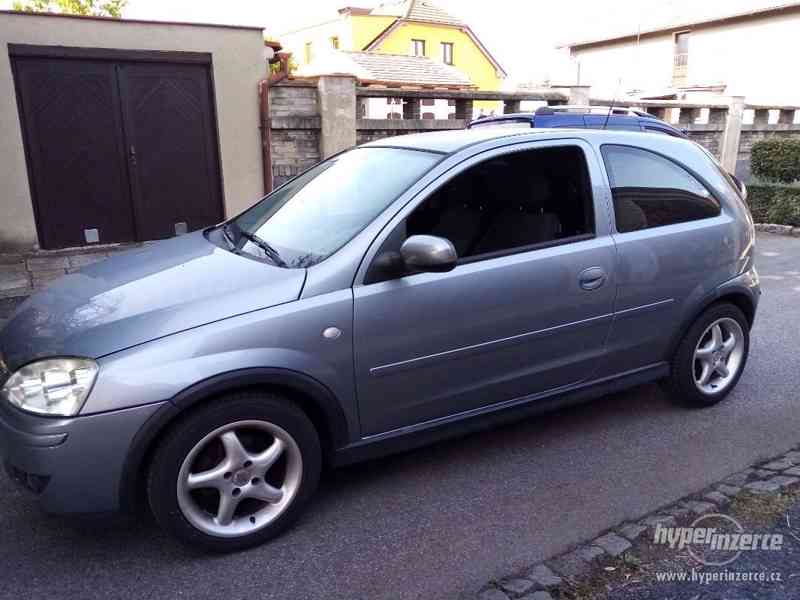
(312, 216)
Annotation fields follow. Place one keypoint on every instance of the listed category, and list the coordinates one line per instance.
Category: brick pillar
(337, 111)
(411, 108)
(786, 117)
(464, 109)
(733, 132)
(511, 106)
(688, 116)
(761, 118)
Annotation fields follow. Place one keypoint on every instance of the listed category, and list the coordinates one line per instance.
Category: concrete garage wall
(238, 65)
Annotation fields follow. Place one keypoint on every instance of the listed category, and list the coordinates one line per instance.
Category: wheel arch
(313, 397)
(741, 299)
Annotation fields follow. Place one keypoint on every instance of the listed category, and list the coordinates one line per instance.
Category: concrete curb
(778, 229)
(553, 577)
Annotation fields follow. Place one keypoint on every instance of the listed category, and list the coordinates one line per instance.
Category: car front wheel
(235, 473)
(711, 357)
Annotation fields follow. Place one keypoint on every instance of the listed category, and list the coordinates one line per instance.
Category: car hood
(140, 295)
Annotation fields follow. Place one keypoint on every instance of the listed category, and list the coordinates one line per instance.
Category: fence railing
(464, 99)
(314, 118)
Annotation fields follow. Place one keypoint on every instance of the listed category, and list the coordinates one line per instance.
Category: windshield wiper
(226, 233)
(273, 254)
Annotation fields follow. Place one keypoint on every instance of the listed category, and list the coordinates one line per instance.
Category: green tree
(95, 8)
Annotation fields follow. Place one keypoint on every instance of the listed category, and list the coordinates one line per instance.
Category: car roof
(455, 140)
(449, 141)
(614, 117)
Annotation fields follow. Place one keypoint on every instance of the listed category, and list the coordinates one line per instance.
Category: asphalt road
(442, 521)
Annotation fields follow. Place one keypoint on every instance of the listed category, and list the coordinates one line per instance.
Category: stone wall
(369, 130)
(709, 136)
(21, 274)
(296, 122)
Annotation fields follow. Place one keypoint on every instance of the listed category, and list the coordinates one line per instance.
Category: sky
(522, 34)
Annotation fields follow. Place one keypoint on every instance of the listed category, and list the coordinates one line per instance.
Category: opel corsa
(403, 291)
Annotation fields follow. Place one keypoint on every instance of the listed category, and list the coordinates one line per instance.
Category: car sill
(412, 436)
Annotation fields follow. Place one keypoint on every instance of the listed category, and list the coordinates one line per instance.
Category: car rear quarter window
(650, 190)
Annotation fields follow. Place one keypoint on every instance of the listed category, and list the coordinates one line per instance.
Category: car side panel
(666, 275)
(283, 337)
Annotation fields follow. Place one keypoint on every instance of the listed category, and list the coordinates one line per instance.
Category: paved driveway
(442, 521)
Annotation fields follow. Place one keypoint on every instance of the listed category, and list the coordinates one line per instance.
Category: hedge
(779, 204)
(776, 159)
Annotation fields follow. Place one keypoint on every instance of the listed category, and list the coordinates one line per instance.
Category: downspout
(266, 129)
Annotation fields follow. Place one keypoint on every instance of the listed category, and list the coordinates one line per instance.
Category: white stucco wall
(643, 66)
(238, 66)
(751, 57)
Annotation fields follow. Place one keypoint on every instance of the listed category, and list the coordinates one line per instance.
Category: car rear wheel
(235, 473)
(711, 357)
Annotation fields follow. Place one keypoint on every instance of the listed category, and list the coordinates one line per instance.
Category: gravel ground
(442, 521)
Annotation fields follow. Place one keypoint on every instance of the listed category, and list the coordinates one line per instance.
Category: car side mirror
(428, 254)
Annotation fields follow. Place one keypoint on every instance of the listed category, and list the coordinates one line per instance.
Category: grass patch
(637, 567)
(761, 510)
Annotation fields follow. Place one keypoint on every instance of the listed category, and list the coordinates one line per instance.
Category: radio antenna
(619, 81)
(613, 102)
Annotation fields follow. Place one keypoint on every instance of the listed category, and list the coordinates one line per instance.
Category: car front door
(519, 316)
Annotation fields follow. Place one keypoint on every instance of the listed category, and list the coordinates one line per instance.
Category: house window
(309, 52)
(428, 102)
(447, 53)
(417, 47)
(335, 42)
(680, 64)
(428, 115)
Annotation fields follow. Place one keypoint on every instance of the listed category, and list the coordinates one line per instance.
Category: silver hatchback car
(400, 292)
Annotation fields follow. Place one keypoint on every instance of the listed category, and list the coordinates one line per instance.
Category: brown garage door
(119, 150)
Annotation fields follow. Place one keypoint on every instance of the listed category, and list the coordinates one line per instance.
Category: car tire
(235, 473)
(710, 358)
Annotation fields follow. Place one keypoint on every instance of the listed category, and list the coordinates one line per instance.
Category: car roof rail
(615, 110)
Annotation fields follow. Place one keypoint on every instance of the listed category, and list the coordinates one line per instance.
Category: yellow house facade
(407, 27)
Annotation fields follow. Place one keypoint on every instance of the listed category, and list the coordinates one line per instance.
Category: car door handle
(592, 278)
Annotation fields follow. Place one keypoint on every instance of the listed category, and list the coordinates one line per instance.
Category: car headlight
(55, 387)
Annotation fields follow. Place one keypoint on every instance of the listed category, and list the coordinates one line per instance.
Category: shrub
(779, 204)
(776, 159)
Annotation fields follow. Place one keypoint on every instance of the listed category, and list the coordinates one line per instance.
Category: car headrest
(536, 194)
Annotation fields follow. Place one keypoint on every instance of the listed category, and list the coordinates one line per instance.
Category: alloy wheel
(239, 478)
(718, 356)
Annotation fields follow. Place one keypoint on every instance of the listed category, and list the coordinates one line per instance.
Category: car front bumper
(74, 465)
